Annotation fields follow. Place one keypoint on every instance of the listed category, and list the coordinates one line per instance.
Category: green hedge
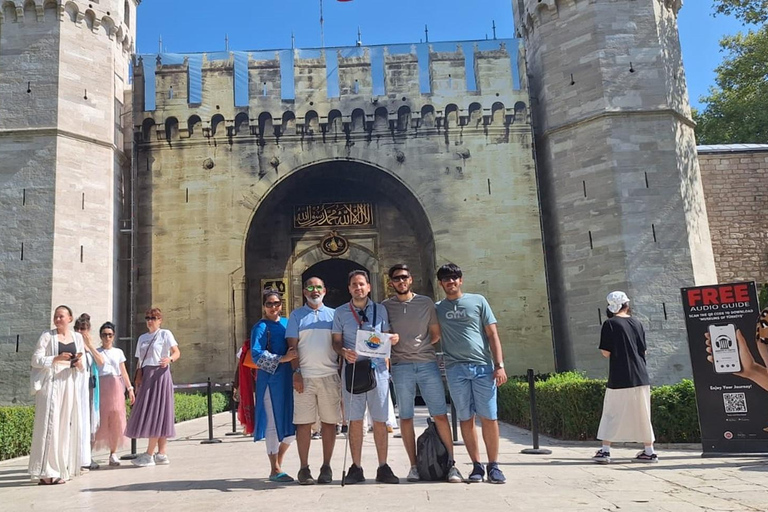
(16, 425)
(17, 422)
(570, 405)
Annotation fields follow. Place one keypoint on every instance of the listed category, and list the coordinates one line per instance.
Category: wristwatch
(498, 366)
(297, 370)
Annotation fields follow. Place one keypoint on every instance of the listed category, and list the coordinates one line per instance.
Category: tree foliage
(736, 108)
(748, 11)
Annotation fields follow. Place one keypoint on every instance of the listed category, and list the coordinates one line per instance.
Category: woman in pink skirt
(113, 381)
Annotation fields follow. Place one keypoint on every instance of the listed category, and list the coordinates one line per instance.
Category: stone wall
(734, 186)
(63, 74)
(461, 162)
(621, 191)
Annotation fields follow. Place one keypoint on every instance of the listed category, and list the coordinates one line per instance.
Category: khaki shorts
(321, 397)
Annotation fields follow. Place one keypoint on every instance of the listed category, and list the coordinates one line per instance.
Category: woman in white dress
(57, 363)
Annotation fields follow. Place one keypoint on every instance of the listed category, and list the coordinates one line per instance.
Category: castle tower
(618, 170)
(63, 81)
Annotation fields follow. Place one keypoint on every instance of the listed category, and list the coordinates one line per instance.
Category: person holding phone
(57, 364)
(749, 368)
(627, 403)
(113, 382)
(152, 416)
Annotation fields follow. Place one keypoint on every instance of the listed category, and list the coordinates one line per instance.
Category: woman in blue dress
(274, 384)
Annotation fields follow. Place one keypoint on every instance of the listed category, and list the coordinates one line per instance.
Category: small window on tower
(127, 14)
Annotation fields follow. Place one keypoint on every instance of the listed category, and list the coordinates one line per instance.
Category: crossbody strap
(357, 318)
(150, 346)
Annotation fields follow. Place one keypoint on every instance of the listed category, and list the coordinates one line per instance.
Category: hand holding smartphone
(725, 348)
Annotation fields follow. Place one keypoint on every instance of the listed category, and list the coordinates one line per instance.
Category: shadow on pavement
(224, 485)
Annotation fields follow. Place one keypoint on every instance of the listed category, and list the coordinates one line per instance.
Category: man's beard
(406, 292)
(315, 302)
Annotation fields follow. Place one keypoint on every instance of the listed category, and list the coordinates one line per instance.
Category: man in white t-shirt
(316, 382)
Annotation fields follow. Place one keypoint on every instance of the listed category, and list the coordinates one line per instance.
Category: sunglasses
(401, 277)
(272, 304)
(148, 318)
(452, 277)
(107, 335)
(315, 288)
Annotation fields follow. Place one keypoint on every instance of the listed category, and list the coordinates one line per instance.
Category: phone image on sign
(725, 349)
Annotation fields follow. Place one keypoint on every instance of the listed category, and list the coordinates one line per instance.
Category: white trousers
(270, 435)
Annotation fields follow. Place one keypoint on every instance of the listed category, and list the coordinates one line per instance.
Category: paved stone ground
(232, 476)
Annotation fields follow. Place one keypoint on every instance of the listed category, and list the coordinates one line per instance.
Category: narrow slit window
(187, 196)
(23, 197)
(82, 204)
(646, 180)
(664, 308)
(599, 316)
(584, 185)
(489, 186)
(591, 243)
(653, 229)
(22, 251)
(81, 254)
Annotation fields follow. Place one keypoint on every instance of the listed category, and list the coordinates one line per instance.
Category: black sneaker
(355, 475)
(477, 473)
(305, 477)
(326, 475)
(385, 475)
(344, 429)
(495, 476)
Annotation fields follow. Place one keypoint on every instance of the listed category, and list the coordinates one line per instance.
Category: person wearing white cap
(627, 404)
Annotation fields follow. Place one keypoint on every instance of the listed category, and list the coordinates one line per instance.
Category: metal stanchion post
(133, 453)
(210, 439)
(534, 420)
(455, 426)
(233, 407)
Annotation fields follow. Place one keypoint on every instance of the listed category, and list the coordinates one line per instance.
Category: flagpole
(322, 23)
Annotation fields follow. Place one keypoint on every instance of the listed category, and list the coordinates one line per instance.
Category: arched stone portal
(374, 219)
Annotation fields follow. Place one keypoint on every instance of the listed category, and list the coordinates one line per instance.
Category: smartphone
(725, 349)
(74, 360)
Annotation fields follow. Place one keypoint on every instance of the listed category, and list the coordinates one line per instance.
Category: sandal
(52, 481)
(281, 477)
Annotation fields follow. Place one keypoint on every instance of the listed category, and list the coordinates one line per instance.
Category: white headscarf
(616, 301)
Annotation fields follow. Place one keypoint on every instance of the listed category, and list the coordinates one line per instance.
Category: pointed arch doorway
(284, 244)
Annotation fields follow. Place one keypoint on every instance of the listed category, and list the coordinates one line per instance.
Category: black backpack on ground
(431, 455)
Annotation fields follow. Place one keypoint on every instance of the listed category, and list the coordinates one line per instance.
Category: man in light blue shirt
(362, 313)
(315, 378)
(474, 367)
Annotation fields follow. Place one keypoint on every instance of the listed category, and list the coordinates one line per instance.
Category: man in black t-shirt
(627, 404)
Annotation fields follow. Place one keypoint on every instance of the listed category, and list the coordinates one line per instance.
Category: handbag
(268, 364)
(360, 377)
(248, 360)
(138, 375)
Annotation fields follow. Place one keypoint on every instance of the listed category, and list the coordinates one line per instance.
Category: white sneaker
(143, 460)
(113, 460)
(413, 474)
(162, 459)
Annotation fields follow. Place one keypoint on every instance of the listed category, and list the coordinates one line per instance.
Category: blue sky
(201, 26)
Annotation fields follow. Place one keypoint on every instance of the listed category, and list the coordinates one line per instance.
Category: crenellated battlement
(112, 18)
(532, 13)
(354, 89)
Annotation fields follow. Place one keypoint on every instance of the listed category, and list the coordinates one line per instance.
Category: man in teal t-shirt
(474, 367)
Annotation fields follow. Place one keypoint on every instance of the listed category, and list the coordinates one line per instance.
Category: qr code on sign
(735, 402)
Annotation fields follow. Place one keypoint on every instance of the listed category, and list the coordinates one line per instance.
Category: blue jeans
(426, 375)
(473, 390)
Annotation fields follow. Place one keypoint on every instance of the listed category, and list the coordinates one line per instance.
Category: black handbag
(364, 376)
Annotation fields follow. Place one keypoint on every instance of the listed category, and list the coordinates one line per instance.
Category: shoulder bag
(360, 377)
(138, 375)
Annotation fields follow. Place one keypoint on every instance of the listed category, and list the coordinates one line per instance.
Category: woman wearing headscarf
(57, 364)
(113, 382)
(274, 384)
(152, 416)
(627, 404)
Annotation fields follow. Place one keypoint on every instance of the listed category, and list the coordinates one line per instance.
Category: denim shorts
(473, 390)
(427, 376)
(377, 399)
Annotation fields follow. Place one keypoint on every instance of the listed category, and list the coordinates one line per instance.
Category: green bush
(569, 407)
(17, 422)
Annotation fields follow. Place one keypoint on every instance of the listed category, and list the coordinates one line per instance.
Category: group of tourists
(300, 379)
(80, 397)
(305, 369)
